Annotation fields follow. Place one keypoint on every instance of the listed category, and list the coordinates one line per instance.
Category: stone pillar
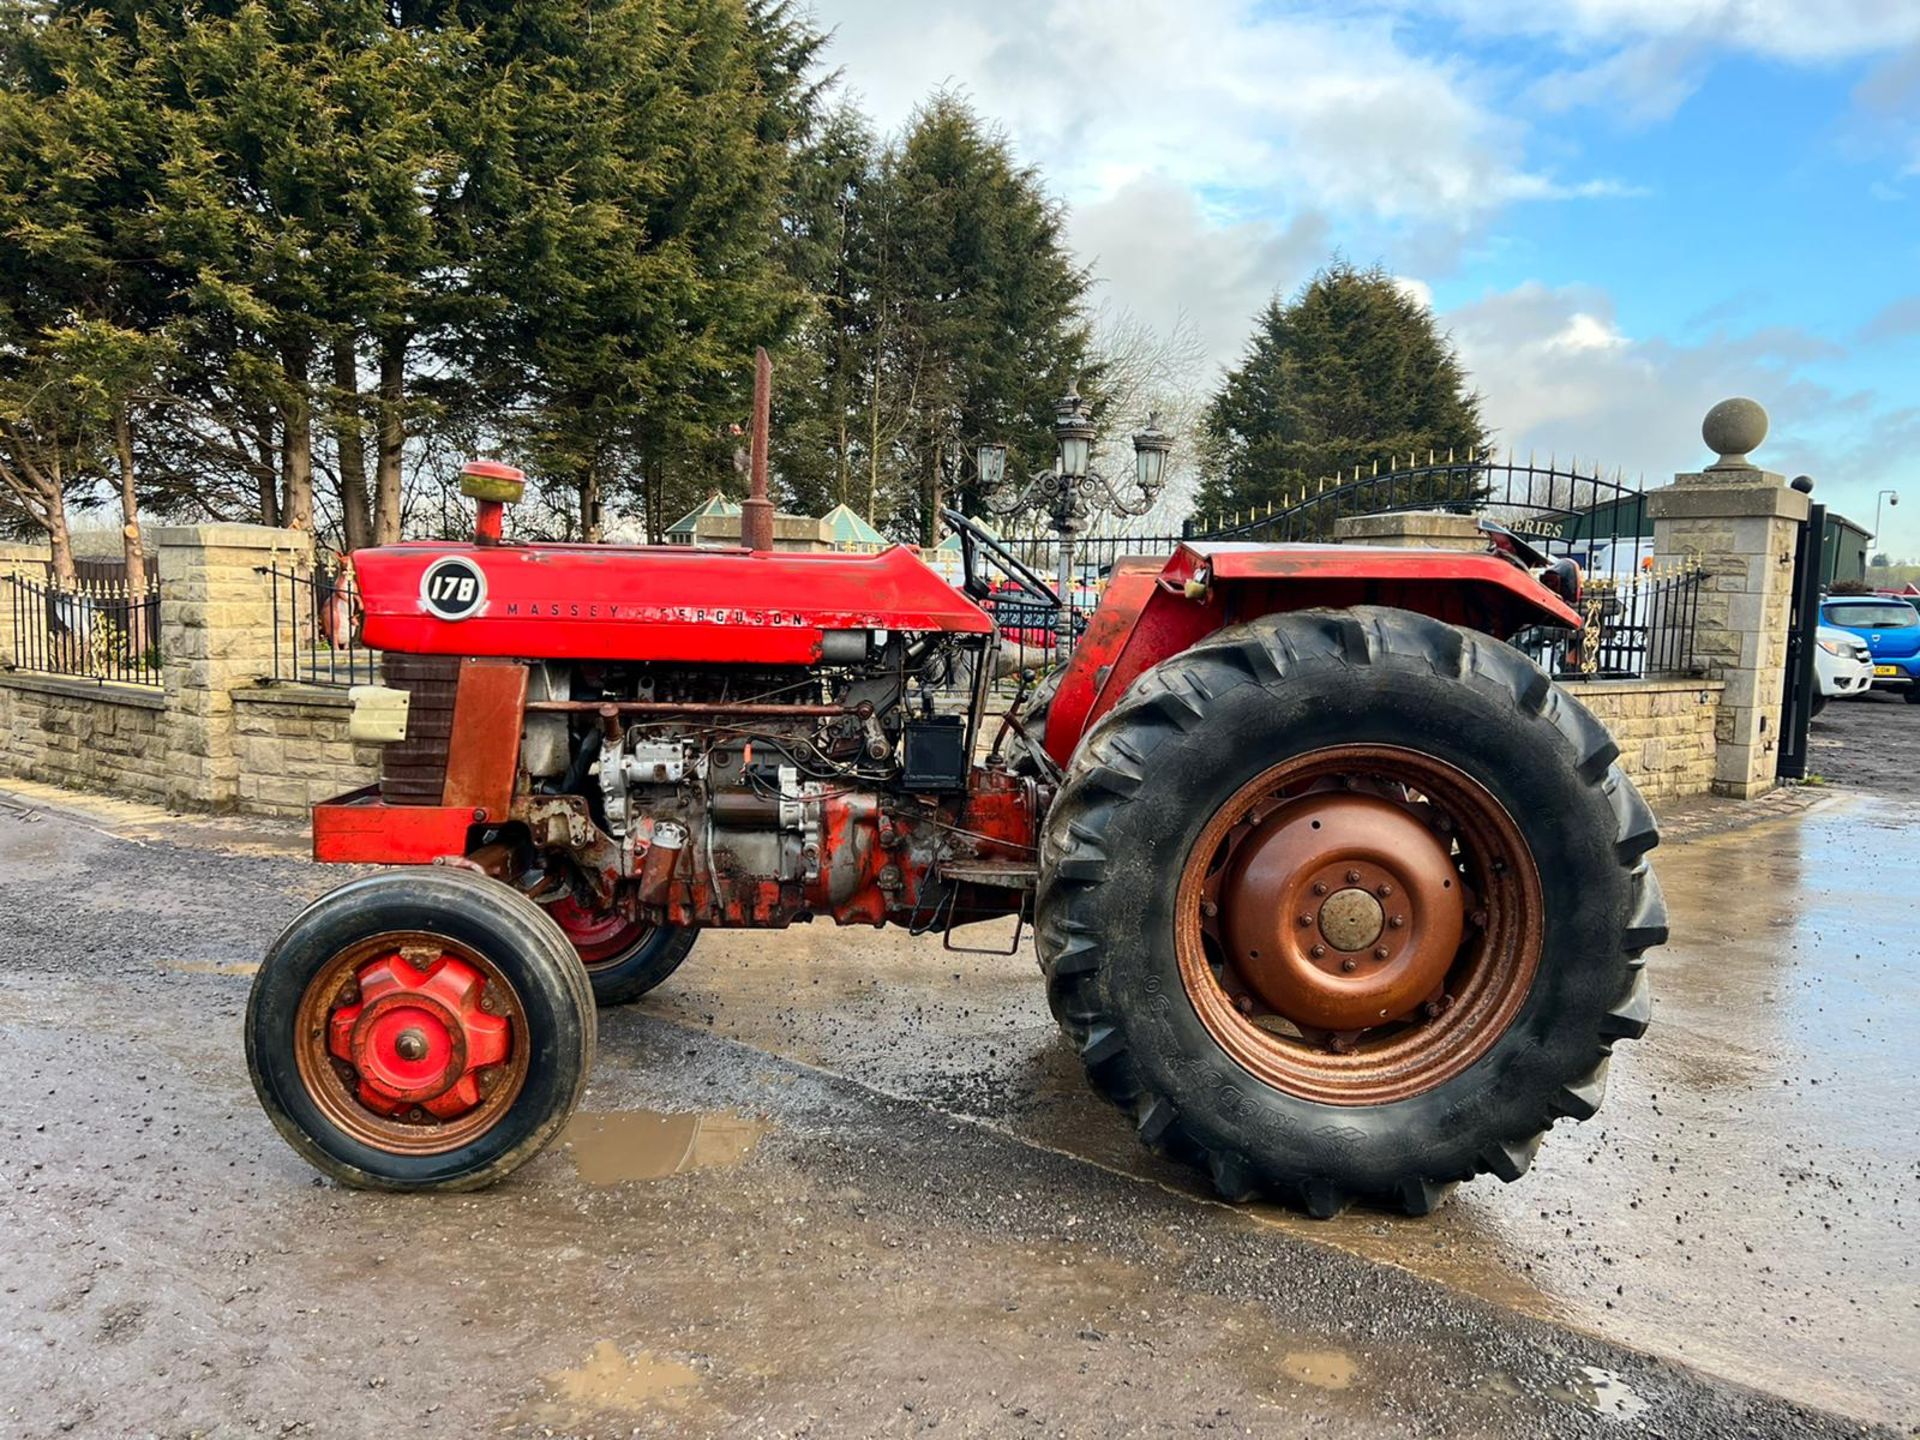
(1411, 529)
(16, 559)
(1740, 524)
(216, 636)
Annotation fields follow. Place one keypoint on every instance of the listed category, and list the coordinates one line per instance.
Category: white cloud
(1209, 149)
(1887, 114)
(1559, 376)
(1157, 255)
(1635, 62)
(1254, 109)
(1214, 152)
(1588, 332)
(1795, 30)
(1896, 320)
(1640, 84)
(1417, 291)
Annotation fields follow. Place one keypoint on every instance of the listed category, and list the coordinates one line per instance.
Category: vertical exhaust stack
(756, 515)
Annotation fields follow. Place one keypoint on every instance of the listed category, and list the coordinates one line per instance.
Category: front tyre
(1348, 906)
(420, 1030)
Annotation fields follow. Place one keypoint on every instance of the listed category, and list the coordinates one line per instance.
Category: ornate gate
(1641, 618)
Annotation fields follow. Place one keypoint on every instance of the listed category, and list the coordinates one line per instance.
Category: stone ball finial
(1732, 429)
(1802, 483)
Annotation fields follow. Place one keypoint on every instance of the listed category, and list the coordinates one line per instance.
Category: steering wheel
(972, 534)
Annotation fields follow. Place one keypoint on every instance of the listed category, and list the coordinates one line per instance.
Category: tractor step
(1006, 874)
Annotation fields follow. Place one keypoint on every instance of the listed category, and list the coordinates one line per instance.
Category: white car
(1842, 663)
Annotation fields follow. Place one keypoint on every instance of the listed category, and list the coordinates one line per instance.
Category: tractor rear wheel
(420, 1030)
(624, 958)
(1348, 905)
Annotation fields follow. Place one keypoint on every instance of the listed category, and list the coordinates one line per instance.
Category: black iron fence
(316, 627)
(1564, 510)
(1640, 623)
(1639, 626)
(95, 628)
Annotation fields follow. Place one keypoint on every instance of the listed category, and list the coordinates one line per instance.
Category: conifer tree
(978, 304)
(1351, 371)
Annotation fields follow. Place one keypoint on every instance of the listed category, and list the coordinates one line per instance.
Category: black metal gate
(1799, 689)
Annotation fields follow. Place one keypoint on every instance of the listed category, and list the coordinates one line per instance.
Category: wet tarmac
(849, 1183)
(1747, 1201)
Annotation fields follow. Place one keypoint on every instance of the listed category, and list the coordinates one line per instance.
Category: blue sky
(1623, 210)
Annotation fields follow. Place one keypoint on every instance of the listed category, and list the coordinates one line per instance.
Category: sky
(1621, 210)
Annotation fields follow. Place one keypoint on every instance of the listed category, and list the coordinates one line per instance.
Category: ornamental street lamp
(1066, 488)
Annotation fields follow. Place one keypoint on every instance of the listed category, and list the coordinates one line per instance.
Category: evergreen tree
(84, 305)
(1351, 371)
(259, 253)
(978, 309)
(622, 207)
(821, 378)
(305, 174)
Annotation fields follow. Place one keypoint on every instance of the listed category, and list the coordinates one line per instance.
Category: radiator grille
(414, 772)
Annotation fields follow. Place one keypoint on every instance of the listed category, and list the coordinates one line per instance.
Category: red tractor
(1337, 896)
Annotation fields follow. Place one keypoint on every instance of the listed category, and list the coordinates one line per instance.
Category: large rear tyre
(1348, 906)
(420, 1030)
(624, 958)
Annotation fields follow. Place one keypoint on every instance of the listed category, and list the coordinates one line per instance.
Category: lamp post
(1888, 497)
(1066, 487)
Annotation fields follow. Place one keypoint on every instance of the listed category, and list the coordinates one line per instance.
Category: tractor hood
(658, 603)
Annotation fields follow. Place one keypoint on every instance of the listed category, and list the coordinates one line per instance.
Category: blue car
(1891, 628)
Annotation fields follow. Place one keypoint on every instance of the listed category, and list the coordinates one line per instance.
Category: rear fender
(1154, 609)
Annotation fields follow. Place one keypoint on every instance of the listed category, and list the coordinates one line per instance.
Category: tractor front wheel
(1348, 906)
(420, 1030)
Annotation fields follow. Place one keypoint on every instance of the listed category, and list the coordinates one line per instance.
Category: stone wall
(1664, 728)
(293, 751)
(213, 735)
(84, 735)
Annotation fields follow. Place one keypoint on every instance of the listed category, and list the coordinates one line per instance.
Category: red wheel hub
(420, 1035)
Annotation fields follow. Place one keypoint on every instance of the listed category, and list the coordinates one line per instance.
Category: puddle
(1323, 1369)
(622, 1145)
(211, 967)
(613, 1380)
(1600, 1392)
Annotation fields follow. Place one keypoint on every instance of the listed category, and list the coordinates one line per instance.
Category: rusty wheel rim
(412, 1043)
(1359, 924)
(600, 937)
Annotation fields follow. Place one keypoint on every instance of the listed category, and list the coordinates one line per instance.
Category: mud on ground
(849, 1184)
